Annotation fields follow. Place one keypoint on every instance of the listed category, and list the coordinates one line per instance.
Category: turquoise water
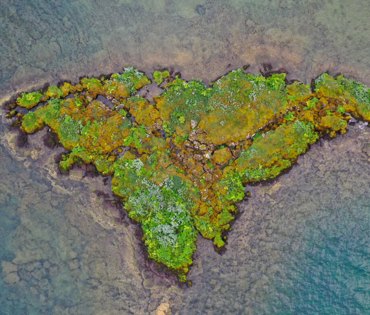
(331, 274)
(301, 243)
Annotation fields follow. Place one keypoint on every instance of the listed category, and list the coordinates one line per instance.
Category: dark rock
(366, 148)
(50, 140)
(22, 139)
(200, 9)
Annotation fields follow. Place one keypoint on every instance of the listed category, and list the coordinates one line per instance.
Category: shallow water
(47, 41)
(300, 245)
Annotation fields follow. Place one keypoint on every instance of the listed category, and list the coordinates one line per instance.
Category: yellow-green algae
(181, 162)
(160, 76)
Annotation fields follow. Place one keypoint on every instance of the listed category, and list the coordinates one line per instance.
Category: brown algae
(181, 163)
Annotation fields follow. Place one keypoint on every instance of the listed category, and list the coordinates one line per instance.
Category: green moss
(67, 162)
(298, 92)
(91, 83)
(132, 78)
(311, 103)
(50, 112)
(180, 163)
(233, 187)
(160, 76)
(70, 130)
(289, 117)
(349, 91)
(31, 122)
(180, 103)
(360, 92)
(269, 155)
(29, 100)
(136, 137)
(77, 154)
(54, 92)
(240, 105)
(104, 165)
(169, 231)
(341, 110)
(163, 211)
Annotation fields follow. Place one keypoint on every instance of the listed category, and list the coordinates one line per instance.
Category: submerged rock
(163, 309)
(200, 9)
(9, 271)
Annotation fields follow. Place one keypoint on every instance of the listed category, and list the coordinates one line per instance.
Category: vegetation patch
(180, 163)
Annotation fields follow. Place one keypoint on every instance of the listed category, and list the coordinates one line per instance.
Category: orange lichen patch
(93, 86)
(105, 136)
(31, 122)
(222, 156)
(181, 103)
(298, 92)
(67, 88)
(333, 124)
(80, 109)
(180, 164)
(354, 96)
(144, 112)
(117, 90)
(53, 92)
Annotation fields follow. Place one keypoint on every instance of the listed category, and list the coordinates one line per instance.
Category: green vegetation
(272, 153)
(29, 100)
(160, 76)
(180, 164)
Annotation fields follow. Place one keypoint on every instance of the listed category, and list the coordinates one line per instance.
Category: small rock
(35, 154)
(163, 309)
(8, 267)
(198, 157)
(73, 264)
(200, 9)
(208, 154)
(72, 254)
(366, 148)
(11, 278)
(202, 147)
(46, 264)
(76, 174)
(193, 124)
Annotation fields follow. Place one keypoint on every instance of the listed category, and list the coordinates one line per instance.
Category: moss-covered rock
(275, 151)
(180, 163)
(160, 76)
(29, 100)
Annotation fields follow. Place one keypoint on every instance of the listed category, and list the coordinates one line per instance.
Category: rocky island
(180, 160)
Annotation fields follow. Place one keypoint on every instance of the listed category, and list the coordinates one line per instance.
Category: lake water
(300, 244)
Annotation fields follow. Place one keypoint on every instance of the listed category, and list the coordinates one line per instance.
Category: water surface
(300, 245)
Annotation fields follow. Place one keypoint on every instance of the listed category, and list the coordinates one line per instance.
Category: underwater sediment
(181, 161)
